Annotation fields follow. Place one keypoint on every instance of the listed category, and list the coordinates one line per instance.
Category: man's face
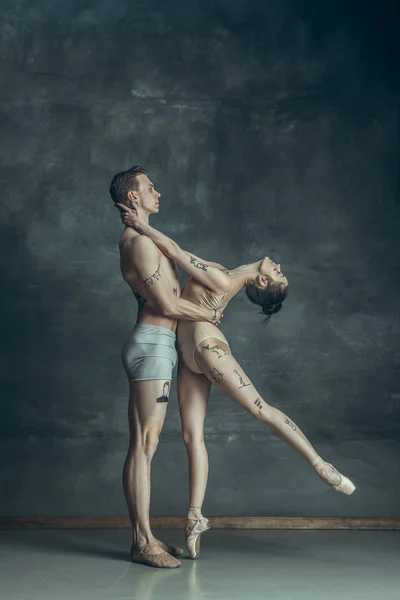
(146, 195)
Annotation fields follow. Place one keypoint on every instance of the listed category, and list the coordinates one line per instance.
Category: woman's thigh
(193, 392)
(217, 363)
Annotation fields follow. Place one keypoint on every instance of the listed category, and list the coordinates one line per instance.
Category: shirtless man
(149, 356)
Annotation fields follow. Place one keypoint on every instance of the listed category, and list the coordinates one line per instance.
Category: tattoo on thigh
(153, 278)
(165, 393)
(216, 375)
(217, 350)
(258, 403)
(198, 264)
(290, 424)
(241, 380)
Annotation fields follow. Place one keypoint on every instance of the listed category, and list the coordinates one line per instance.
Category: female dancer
(206, 358)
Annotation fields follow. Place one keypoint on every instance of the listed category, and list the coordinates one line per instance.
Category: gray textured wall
(270, 128)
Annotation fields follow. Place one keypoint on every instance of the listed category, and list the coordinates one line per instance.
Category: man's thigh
(148, 401)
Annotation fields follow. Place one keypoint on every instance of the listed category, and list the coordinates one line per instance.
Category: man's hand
(131, 217)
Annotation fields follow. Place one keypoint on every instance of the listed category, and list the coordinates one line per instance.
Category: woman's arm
(211, 264)
(209, 276)
(145, 258)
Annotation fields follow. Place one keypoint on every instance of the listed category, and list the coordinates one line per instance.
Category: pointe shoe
(172, 550)
(345, 485)
(159, 559)
(194, 529)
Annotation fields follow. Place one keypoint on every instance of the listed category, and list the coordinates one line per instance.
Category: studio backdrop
(270, 128)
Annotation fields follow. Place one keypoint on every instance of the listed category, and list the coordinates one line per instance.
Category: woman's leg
(193, 391)
(227, 374)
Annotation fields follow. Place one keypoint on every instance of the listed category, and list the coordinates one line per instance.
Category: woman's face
(272, 271)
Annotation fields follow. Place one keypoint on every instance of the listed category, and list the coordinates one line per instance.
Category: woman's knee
(261, 410)
(193, 438)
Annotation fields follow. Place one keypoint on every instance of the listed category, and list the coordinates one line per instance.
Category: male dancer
(149, 357)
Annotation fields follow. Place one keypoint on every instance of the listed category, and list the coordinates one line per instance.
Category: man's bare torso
(148, 312)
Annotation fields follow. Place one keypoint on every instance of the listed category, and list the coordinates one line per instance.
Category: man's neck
(146, 218)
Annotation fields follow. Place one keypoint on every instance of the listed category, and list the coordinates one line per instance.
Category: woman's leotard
(191, 334)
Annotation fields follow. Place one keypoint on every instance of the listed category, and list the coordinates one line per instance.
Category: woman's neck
(246, 273)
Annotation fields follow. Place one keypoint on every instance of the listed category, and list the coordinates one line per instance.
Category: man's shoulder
(136, 242)
(139, 246)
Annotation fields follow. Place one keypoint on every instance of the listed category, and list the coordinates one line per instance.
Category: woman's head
(269, 288)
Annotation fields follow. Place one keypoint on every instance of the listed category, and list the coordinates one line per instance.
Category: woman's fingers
(122, 208)
(125, 210)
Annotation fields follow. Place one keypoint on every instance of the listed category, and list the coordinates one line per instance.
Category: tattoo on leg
(198, 264)
(153, 278)
(290, 424)
(241, 380)
(257, 402)
(216, 375)
(165, 393)
(217, 350)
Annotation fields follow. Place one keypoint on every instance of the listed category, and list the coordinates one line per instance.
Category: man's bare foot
(153, 555)
(172, 550)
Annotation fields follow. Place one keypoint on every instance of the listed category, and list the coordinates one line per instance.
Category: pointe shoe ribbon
(345, 485)
(194, 529)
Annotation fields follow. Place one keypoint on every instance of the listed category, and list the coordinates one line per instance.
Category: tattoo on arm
(241, 380)
(216, 375)
(217, 350)
(258, 403)
(165, 393)
(153, 278)
(198, 264)
(290, 424)
(175, 291)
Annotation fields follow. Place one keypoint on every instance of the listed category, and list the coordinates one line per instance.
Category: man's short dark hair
(124, 182)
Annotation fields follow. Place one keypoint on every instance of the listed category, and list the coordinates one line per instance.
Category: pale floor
(276, 565)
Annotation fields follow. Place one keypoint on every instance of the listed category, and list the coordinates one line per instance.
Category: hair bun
(270, 309)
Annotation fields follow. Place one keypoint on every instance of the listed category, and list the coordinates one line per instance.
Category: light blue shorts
(149, 353)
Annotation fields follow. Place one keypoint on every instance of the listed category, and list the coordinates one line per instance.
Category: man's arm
(213, 278)
(146, 260)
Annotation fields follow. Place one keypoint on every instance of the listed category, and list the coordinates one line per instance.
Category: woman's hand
(217, 316)
(131, 217)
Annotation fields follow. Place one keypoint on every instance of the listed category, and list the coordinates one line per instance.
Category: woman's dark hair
(123, 182)
(270, 297)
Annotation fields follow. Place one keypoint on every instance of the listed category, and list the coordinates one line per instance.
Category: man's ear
(262, 280)
(132, 197)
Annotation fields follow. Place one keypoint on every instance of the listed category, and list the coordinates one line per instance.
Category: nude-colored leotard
(191, 334)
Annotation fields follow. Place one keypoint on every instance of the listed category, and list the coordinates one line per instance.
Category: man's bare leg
(147, 409)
